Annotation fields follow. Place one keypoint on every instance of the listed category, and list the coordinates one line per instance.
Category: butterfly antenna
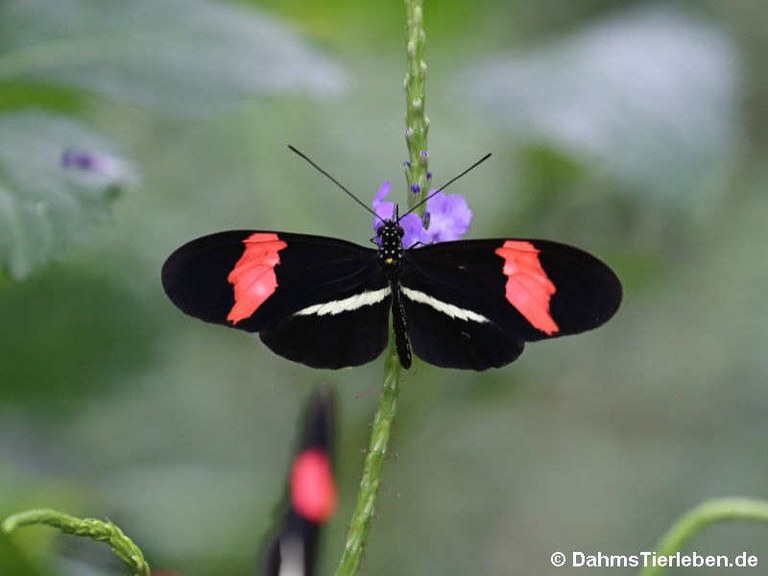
(332, 179)
(451, 181)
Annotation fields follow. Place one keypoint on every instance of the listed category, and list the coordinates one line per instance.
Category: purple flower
(95, 163)
(448, 216)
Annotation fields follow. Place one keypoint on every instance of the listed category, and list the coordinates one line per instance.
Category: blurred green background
(635, 130)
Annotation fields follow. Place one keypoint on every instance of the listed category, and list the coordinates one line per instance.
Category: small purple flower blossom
(96, 163)
(383, 209)
(415, 188)
(72, 158)
(424, 154)
(447, 218)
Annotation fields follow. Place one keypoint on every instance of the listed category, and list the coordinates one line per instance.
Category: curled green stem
(710, 512)
(100, 530)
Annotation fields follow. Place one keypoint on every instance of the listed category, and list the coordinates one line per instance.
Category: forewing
(492, 295)
(315, 300)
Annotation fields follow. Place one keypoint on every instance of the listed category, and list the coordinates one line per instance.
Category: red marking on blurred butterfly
(294, 545)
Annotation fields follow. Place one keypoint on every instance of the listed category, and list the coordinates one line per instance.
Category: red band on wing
(313, 492)
(253, 276)
(529, 289)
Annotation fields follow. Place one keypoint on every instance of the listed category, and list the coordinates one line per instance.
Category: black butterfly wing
(451, 340)
(319, 301)
(472, 304)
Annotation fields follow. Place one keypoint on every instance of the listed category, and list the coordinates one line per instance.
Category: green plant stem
(102, 531)
(374, 461)
(417, 126)
(416, 122)
(710, 512)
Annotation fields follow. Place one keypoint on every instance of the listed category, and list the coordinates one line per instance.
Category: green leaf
(44, 205)
(176, 55)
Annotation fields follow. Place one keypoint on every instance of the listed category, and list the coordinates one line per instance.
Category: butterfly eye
(400, 231)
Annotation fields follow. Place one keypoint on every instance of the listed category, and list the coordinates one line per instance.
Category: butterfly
(294, 545)
(326, 303)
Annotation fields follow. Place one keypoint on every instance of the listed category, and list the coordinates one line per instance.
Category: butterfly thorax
(390, 248)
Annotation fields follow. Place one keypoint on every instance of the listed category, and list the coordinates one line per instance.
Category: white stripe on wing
(348, 304)
(443, 307)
